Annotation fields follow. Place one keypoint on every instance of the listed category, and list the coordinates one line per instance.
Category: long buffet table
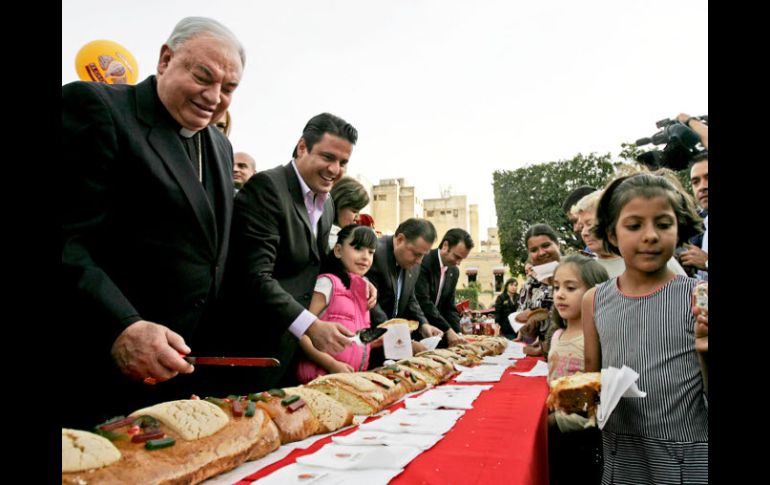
(503, 439)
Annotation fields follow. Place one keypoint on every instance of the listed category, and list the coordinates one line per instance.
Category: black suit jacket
(140, 236)
(273, 265)
(384, 276)
(444, 315)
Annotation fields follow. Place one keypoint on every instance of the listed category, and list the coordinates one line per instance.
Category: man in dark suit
(281, 224)
(695, 256)
(394, 273)
(145, 210)
(435, 289)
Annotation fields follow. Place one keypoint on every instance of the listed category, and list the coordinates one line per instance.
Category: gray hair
(189, 27)
(588, 203)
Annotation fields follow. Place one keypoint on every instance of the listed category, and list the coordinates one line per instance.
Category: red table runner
(503, 439)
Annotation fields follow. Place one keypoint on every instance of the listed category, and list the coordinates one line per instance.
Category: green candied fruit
(259, 396)
(290, 400)
(145, 421)
(160, 443)
(251, 408)
(277, 392)
(215, 400)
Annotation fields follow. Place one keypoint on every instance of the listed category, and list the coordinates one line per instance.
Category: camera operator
(696, 125)
(696, 253)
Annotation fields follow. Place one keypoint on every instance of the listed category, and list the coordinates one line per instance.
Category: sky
(442, 92)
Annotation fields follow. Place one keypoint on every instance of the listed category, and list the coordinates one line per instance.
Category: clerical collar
(187, 133)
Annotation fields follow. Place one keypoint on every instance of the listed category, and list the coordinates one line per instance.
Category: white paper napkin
(397, 342)
(514, 324)
(464, 387)
(515, 349)
(422, 424)
(452, 392)
(441, 414)
(369, 438)
(540, 369)
(482, 373)
(543, 271)
(442, 400)
(341, 457)
(616, 383)
(431, 342)
(297, 474)
(503, 360)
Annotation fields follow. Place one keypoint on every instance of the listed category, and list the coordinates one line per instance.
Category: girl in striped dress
(643, 319)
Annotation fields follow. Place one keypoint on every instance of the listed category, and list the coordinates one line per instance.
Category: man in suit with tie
(435, 289)
(146, 196)
(394, 273)
(281, 225)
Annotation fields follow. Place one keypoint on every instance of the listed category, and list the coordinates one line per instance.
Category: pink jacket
(348, 307)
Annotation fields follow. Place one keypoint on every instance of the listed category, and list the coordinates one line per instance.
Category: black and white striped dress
(662, 438)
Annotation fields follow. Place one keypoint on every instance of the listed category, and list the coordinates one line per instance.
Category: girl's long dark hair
(356, 236)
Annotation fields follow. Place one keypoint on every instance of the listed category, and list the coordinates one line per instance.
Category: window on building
(499, 282)
(499, 277)
(471, 273)
(455, 212)
(429, 213)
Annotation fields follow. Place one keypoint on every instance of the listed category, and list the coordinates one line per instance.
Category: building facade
(485, 266)
(447, 213)
(393, 201)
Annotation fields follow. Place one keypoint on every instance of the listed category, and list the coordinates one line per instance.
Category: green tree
(534, 194)
(470, 293)
(629, 152)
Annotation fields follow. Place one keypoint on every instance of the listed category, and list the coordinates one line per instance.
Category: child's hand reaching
(534, 350)
(339, 367)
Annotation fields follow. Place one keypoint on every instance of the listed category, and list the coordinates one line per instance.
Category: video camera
(680, 146)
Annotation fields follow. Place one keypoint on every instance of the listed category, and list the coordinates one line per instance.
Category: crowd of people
(172, 245)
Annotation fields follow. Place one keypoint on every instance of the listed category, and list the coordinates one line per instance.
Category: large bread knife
(234, 361)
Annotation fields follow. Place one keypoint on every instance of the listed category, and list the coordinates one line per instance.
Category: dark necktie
(399, 287)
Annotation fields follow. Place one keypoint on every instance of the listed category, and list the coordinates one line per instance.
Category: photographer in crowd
(696, 253)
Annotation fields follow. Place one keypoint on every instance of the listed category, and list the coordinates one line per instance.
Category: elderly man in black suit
(146, 194)
(435, 289)
(394, 273)
(281, 225)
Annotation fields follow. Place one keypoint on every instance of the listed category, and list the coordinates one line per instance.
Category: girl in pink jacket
(340, 296)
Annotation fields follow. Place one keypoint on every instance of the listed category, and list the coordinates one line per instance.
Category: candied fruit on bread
(210, 450)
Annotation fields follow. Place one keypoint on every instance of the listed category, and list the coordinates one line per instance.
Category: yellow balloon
(107, 62)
